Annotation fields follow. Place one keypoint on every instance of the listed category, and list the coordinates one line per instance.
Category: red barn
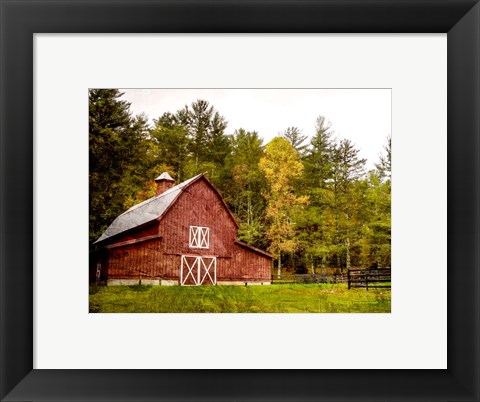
(185, 235)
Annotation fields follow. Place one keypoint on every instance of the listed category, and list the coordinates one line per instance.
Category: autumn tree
(281, 166)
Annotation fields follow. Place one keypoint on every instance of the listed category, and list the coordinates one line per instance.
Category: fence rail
(365, 278)
(354, 278)
(309, 278)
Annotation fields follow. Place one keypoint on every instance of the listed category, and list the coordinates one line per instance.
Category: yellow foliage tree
(281, 166)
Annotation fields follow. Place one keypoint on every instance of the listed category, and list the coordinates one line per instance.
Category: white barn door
(197, 270)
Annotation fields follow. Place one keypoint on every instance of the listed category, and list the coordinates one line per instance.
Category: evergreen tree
(294, 136)
(208, 144)
(218, 143)
(244, 192)
(315, 223)
(376, 236)
(199, 125)
(348, 169)
(384, 167)
(118, 157)
(170, 138)
(376, 244)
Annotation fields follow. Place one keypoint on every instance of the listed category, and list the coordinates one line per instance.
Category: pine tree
(118, 157)
(244, 191)
(170, 138)
(384, 167)
(207, 143)
(348, 169)
(376, 236)
(294, 136)
(199, 124)
(315, 223)
(376, 242)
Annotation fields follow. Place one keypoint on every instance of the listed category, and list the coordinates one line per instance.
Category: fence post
(98, 274)
(348, 278)
(366, 278)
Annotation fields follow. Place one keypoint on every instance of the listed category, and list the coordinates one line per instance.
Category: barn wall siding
(171, 267)
(198, 205)
(137, 260)
(250, 265)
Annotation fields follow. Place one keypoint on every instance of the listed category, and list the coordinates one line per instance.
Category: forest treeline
(309, 200)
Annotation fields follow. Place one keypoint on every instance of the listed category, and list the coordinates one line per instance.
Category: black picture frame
(21, 19)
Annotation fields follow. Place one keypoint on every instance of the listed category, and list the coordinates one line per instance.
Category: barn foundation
(132, 282)
(240, 283)
(168, 282)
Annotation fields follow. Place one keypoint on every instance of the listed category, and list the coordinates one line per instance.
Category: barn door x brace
(198, 270)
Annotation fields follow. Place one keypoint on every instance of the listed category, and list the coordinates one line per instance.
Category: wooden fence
(365, 278)
(309, 278)
(355, 278)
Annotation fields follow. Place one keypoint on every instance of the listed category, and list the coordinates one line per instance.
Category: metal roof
(164, 176)
(250, 247)
(145, 212)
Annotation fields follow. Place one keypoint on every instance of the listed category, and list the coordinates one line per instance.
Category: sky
(360, 115)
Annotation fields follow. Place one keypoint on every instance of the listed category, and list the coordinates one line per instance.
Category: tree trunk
(279, 270)
(348, 253)
(313, 267)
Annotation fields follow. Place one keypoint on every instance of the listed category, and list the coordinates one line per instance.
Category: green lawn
(313, 298)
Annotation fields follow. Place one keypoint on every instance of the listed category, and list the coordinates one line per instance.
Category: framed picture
(22, 20)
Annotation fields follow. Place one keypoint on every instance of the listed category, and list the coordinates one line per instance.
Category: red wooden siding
(132, 261)
(250, 265)
(198, 205)
(171, 266)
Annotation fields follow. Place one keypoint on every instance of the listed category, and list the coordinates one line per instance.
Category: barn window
(199, 237)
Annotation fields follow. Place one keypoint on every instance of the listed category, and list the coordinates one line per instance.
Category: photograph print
(239, 200)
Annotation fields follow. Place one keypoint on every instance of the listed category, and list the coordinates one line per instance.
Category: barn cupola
(164, 182)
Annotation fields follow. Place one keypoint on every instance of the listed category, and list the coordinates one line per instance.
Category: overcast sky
(361, 115)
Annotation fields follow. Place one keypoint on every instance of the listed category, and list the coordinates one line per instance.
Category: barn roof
(146, 211)
(152, 209)
(250, 247)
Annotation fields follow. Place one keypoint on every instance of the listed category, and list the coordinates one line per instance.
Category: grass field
(315, 298)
